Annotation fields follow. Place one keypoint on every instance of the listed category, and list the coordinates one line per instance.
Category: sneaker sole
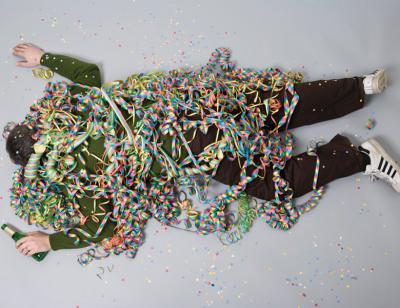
(381, 81)
(387, 157)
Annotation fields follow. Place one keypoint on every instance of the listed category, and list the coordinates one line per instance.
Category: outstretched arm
(38, 241)
(75, 70)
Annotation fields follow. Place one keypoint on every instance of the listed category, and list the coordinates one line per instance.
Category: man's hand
(30, 53)
(33, 242)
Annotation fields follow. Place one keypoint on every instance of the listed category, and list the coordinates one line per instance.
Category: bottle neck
(9, 231)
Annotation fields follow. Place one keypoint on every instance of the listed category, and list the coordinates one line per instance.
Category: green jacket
(88, 74)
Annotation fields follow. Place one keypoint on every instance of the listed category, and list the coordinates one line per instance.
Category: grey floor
(342, 254)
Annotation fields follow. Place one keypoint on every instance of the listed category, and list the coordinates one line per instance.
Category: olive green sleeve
(75, 70)
(60, 240)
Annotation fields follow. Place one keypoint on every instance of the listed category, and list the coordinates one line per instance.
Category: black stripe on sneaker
(380, 163)
(384, 167)
(394, 173)
(389, 170)
(361, 149)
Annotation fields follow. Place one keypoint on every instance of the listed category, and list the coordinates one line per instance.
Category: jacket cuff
(45, 59)
(60, 240)
(51, 61)
(54, 238)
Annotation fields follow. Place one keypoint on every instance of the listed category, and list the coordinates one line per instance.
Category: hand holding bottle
(33, 242)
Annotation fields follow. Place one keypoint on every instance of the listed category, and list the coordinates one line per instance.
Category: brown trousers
(319, 101)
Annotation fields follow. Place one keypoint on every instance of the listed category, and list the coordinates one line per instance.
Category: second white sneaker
(382, 166)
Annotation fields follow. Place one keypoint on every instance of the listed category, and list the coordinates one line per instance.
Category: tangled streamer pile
(160, 103)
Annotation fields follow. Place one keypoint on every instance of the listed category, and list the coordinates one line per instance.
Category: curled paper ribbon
(92, 253)
(159, 104)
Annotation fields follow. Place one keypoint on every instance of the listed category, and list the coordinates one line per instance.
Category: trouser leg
(324, 100)
(319, 100)
(338, 158)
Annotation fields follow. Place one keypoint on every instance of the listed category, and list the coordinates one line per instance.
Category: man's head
(19, 144)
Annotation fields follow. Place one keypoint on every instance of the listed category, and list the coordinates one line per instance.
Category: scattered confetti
(370, 123)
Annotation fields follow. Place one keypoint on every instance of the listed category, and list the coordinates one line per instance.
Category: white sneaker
(382, 166)
(375, 83)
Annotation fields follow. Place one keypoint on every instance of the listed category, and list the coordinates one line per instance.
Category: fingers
(23, 45)
(21, 241)
(25, 248)
(28, 251)
(31, 252)
(19, 49)
(22, 63)
(18, 52)
(20, 46)
(29, 244)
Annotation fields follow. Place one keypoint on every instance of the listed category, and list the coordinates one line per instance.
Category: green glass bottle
(39, 256)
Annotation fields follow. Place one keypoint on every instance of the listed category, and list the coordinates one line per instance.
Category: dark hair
(19, 144)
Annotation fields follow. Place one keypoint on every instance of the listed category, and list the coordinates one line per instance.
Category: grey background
(344, 253)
